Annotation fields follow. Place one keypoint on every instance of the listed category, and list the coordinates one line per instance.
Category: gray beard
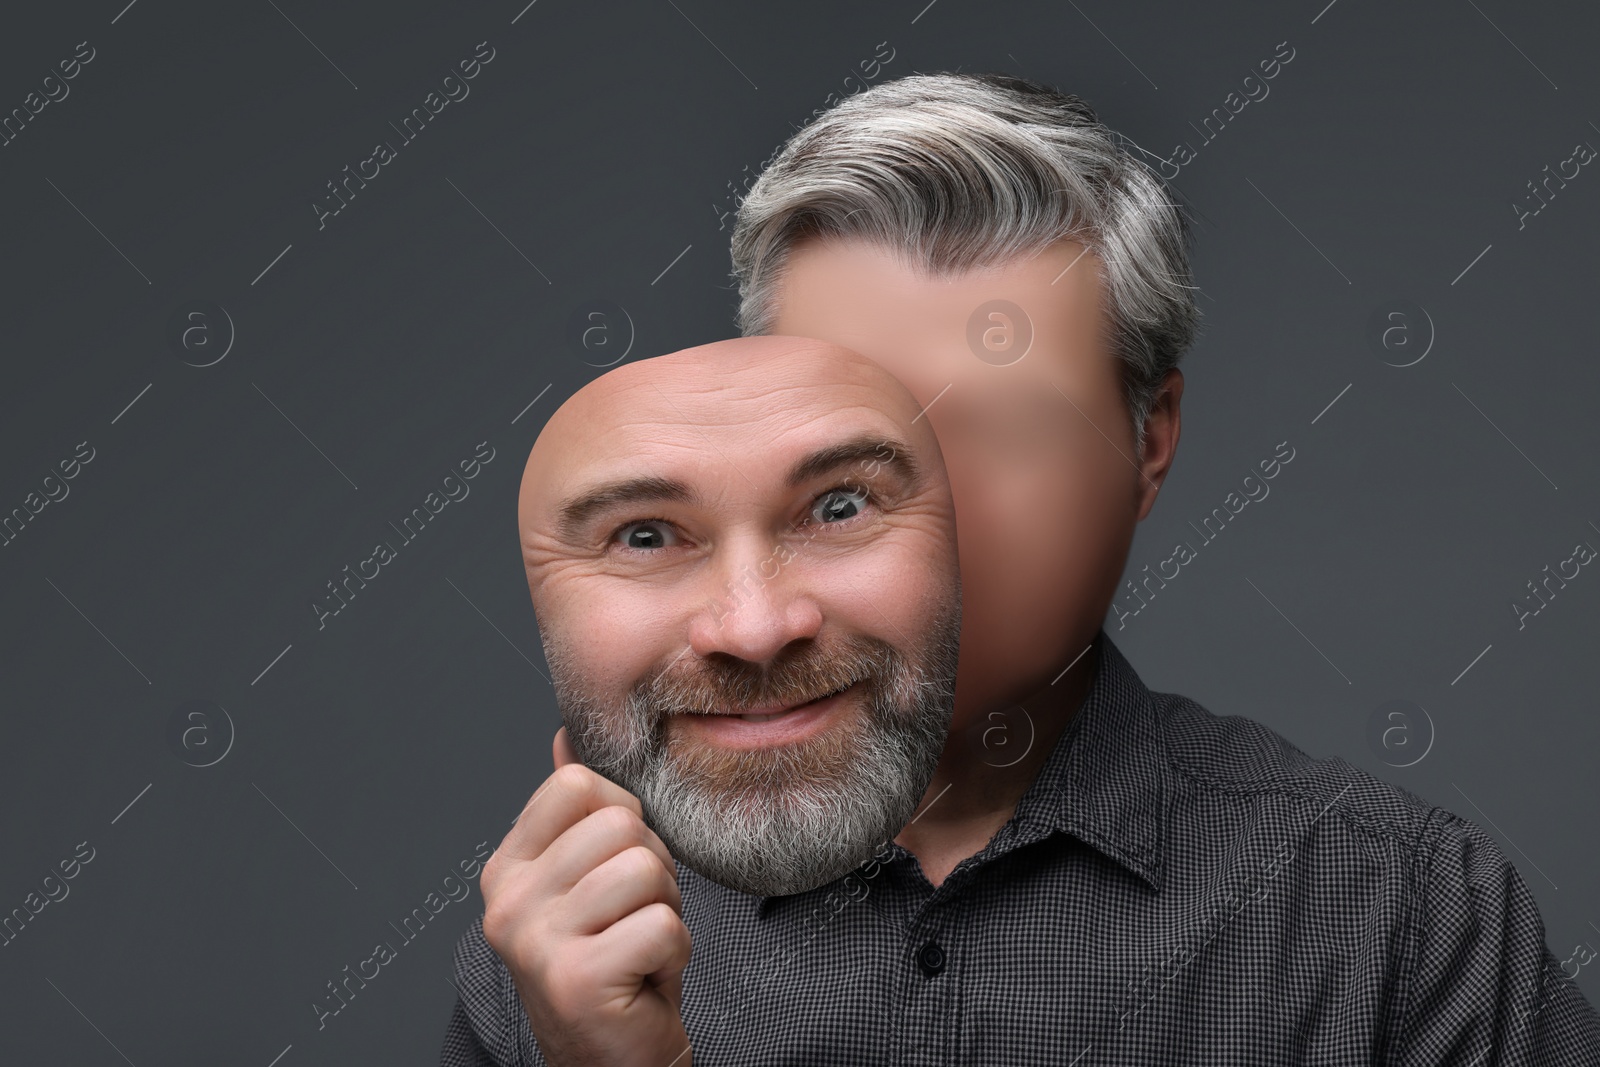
(789, 819)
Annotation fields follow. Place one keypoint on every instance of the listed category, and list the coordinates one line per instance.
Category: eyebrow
(861, 449)
(579, 509)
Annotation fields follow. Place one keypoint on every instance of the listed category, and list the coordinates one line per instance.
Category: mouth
(769, 726)
(769, 712)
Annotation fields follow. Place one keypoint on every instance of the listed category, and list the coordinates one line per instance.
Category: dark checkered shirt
(1176, 887)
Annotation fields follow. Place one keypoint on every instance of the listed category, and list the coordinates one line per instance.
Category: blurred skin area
(1040, 456)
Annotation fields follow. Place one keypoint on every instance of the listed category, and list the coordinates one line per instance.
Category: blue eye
(839, 504)
(646, 535)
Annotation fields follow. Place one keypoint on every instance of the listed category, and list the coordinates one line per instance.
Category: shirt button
(931, 959)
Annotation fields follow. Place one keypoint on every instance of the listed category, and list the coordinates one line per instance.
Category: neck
(986, 767)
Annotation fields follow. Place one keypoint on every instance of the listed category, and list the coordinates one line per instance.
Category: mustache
(725, 684)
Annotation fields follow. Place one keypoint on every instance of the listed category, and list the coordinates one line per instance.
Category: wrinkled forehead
(734, 437)
(747, 410)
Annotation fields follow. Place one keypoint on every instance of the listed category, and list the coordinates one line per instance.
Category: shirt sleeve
(488, 1027)
(1481, 987)
(461, 1046)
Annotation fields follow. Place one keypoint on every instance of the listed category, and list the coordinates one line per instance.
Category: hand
(581, 902)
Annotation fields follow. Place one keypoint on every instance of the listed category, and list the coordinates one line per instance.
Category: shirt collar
(1104, 782)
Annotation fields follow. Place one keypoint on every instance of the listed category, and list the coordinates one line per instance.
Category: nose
(756, 603)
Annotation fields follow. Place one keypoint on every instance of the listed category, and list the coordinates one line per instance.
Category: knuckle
(639, 864)
(514, 926)
(662, 922)
(499, 925)
(678, 932)
(489, 877)
(574, 778)
(619, 823)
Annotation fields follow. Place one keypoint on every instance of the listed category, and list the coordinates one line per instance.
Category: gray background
(590, 163)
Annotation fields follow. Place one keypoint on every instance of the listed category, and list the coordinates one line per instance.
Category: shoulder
(1480, 973)
(1469, 954)
(1230, 755)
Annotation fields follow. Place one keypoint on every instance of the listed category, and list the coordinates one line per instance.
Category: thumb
(562, 751)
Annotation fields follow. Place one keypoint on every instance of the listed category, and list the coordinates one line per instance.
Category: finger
(561, 749)
(565, 798)
(651, 943)
(632, 879)
(594, 841)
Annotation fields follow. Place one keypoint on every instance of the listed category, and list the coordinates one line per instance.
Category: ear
(1161, 440)
(561, 750)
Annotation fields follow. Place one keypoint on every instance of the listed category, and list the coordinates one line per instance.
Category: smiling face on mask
(743, 561)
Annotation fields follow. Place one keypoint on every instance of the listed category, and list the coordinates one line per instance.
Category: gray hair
(962, 171)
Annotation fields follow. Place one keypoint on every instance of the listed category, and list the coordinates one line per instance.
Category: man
(1149, 882)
